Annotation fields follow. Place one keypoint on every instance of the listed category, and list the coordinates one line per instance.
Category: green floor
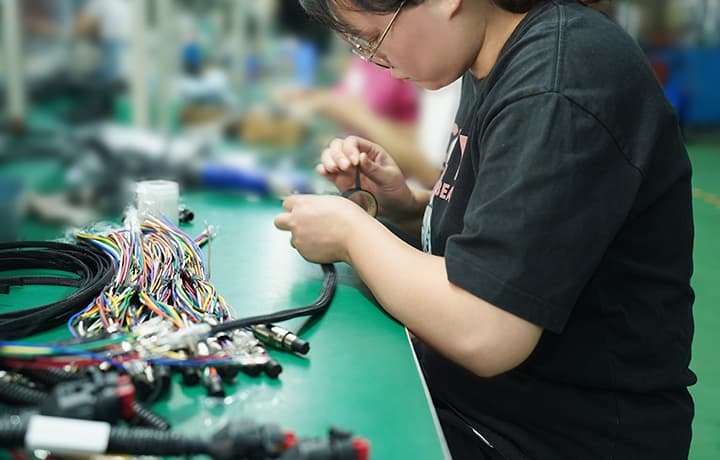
(706, 281)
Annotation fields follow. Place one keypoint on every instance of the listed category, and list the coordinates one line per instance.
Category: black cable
(148, 441)
(17, 394)
(12, 430)
(315, 309)
(93, 268)
(147, 418)
(125, 440)
(236, 440)
(48, 377)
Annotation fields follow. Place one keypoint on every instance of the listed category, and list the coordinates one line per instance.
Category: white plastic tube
(158, 198)
(67, 436)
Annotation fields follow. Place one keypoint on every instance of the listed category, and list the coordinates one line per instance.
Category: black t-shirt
(566, 200)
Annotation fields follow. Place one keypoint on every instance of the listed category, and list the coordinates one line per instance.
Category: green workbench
(360, 375)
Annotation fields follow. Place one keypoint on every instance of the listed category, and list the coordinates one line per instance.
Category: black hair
(523, 6)
(322, 10)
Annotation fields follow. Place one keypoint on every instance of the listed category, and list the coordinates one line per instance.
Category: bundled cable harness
(150, 306)
(83, 267)
(161, 272)
(238, 440)
(96, 412)
(144, 307)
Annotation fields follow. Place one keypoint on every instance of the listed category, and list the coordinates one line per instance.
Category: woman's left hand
(320, 225)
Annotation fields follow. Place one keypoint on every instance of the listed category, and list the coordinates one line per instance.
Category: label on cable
(67, 435)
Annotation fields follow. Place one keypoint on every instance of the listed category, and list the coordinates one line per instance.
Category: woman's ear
(452, 7)
(445, 8)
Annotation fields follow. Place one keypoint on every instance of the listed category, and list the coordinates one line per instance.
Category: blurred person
(45, 18)
(367, 101)
(47, 33)
(107, 23)
(552, 305)
(202, 83)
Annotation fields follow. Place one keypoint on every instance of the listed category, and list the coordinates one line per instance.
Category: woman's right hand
(380, 175)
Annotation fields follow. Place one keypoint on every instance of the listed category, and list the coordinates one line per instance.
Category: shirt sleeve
(552, 190)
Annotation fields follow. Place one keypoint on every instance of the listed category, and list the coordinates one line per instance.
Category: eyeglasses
(368, 51)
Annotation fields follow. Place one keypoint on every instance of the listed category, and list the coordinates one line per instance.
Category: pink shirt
(386, 96)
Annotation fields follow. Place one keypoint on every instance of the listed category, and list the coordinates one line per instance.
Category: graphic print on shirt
(444, 187)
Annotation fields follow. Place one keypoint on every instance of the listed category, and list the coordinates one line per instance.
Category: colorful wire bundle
(160, 309)
(160, 272)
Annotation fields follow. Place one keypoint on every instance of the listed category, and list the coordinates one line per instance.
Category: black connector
(152, 383)
(272, 368)
(105, 397)
(100, 397)
(252, 370)
(340, 445)
(185, 215)
(190, 375)
(280, 338)
(247, 440)
(213, 382)
(228, 372)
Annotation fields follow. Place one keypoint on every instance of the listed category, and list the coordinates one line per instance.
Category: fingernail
(344, 164)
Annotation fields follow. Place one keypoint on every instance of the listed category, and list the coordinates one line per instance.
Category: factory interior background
(96, 95)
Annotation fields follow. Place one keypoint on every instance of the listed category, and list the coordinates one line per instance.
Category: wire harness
(82, 267)
(159, 310)
(237, 440)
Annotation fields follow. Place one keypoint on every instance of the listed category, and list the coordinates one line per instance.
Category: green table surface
(360, 374)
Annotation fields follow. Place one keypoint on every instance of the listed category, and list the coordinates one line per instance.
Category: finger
(328, 161)
(289, 202)
(335, 144)
(373, 170)
(337, 153)
(350, 146)
(366, 146)
(282, 221)
(322, 170)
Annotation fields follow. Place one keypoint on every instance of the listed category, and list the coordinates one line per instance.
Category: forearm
(410, 222)
(413, 287)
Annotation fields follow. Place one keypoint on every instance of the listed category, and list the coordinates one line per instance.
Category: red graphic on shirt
(442, 189)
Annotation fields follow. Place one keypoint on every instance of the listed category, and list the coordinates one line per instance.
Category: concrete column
(138, 59)
(239, 42)
(168, 60)
(12, 38)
